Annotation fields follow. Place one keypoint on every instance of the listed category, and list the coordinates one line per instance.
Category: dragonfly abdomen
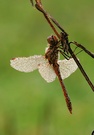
(68, 102)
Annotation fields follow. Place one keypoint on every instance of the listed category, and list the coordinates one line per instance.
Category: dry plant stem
(48, 17)
(83, 48)
(40, 8)
(81, 69)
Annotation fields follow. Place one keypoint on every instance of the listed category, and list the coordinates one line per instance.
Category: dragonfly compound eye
(52, 40)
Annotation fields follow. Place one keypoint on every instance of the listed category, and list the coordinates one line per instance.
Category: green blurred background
(29, 105)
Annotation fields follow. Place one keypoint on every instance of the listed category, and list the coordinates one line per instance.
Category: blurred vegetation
(28, 105)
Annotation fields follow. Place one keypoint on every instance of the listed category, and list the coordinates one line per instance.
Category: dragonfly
(65, 43)
(49, 65)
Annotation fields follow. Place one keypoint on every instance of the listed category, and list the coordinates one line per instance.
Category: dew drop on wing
(27, 64)
(47, 72)
(67, 67)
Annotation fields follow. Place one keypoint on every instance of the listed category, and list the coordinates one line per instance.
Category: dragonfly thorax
(52, 51)
(52, 56)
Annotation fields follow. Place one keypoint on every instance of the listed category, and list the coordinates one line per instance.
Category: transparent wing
(27, 64)
(67, 67)
(47, 72)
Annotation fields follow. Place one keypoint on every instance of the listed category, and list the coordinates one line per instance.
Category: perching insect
(49, 65)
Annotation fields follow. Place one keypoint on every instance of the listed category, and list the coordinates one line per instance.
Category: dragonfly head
(52, 40)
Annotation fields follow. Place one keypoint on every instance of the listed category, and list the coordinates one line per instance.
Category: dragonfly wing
(47, 72)
(27, 64)
(67, 67)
